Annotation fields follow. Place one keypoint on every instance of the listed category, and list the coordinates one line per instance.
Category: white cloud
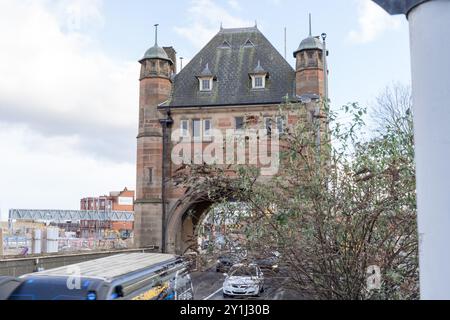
(68, 111)
(235, 4)
(76, 15)
(40, 172)
(372, 22)
(205, 17)
(61, 77)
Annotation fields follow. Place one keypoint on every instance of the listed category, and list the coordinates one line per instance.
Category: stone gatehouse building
(237, 74)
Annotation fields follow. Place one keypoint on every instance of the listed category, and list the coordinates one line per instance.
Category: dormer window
(205, 79)
(260, 82)
(248, 44)
(225, 45)
(259, 76)
(206, 84)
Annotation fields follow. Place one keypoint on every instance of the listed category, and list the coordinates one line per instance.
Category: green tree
(332, 212)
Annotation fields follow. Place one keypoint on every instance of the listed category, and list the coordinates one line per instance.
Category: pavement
(208, 286)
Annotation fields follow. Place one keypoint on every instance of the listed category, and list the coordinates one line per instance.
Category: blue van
(130, 276)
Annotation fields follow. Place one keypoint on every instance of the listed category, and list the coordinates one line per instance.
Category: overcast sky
(69, 78)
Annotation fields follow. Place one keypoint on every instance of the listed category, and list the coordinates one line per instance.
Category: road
(208, 286)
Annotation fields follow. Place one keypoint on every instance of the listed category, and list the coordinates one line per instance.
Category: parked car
(244, 280)
(269, 263)
(225, 262)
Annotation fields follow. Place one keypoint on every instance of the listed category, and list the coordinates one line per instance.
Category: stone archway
(184, 216)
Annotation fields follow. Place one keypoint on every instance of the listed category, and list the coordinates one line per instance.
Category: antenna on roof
(156, 34)
(310, 25)
(285, 43)
(256, 23)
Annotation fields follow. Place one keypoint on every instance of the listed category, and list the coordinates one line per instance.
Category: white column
(430, 54)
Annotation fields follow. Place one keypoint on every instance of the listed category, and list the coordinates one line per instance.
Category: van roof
(112, 267)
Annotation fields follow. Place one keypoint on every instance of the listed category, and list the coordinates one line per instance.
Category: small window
(207, 127)
(184, 128)
(149, 177)
(239, 123)
(259, 82)
(268, 125)
(196, 128)
(205, 84)
(225, 45)
(248, 44)
(281, 125)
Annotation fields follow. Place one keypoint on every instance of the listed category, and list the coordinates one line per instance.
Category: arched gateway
(238, 74)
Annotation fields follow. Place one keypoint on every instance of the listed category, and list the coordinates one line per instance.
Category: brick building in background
(116, 201)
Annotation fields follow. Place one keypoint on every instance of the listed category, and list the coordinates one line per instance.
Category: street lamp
(429, 22)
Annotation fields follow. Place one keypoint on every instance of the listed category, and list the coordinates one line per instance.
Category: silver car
(243, 280)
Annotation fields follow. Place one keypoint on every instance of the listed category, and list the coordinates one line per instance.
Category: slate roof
(231, 56)
(206, 72)
(259, 69)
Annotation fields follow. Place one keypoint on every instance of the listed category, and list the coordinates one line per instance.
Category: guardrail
(22, 246)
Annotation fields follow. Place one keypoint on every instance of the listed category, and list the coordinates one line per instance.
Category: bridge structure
(62, 216)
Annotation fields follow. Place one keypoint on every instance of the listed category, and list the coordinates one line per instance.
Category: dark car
(225, 262)
(268, 263)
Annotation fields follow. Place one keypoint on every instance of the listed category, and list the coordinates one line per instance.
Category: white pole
(430, 58)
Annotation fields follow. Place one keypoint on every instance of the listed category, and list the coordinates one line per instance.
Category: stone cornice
(148, 201)
(149, 135)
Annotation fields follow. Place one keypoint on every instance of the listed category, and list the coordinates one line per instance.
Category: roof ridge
(237, 30)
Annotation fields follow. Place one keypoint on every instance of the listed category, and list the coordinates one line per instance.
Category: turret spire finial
(310, 25)
(156, 34)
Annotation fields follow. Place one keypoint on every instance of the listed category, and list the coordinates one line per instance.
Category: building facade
(116, 201)
(238, 77)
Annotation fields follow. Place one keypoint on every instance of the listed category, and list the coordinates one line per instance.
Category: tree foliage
(334, 211)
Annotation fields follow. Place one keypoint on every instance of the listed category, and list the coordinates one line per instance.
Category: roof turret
(156, 52)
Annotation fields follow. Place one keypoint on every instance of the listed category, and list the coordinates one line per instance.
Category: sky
(69, 78)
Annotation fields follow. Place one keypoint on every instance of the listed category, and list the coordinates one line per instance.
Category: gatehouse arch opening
(200, 225)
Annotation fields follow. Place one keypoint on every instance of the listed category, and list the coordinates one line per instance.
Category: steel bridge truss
(62, 216)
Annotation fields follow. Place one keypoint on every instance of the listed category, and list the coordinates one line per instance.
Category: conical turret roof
(156, 52)
(310, 43)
